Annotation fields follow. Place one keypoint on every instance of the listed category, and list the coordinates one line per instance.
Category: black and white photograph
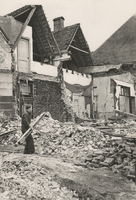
(68, 100)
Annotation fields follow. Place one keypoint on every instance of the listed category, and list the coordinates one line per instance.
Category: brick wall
(48, 97)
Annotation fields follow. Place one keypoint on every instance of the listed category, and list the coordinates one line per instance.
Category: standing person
(26, 119)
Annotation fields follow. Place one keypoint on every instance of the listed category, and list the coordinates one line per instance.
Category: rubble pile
(96, 143)
(10, 131)
(87, 145)
(22, 179)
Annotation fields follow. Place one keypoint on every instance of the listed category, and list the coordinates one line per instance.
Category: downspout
(92, 99)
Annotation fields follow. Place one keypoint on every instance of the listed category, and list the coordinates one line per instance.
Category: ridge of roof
(114, 49)
(43, 23)
(24, 8)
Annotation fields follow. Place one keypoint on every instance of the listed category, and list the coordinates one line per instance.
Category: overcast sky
(99, 19)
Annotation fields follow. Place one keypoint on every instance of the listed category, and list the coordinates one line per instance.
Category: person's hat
(27, 107)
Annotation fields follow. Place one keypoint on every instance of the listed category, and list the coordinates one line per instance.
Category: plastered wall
(103, 98)
(5, 56)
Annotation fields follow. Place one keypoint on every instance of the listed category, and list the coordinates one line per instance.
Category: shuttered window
(23, 56)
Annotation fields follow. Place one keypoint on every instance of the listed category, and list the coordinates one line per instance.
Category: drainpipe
(92, 99)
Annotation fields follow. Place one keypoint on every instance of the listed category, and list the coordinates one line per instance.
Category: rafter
(78, 49)
(24, 26)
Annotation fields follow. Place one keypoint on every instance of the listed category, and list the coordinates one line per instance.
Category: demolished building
(114, 72)
(32, 62)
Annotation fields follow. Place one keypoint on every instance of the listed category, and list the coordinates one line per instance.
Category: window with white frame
(24, 56)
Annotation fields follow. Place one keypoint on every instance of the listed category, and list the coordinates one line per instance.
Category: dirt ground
(93, 184)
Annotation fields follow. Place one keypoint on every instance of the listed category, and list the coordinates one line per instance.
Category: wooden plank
(124, 113)
(79, 49)
(24, 26)
(30, 129)
(7, 132)
(118, 135)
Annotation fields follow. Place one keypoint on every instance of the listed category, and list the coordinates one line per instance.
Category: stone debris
(22, 179)
(92, 144)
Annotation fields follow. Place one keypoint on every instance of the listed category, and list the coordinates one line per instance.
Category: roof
(42, 32)
(120, 48)
(73, 35)
(65, 35)
(11, 28)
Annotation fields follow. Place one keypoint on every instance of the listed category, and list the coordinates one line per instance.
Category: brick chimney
(58, 23)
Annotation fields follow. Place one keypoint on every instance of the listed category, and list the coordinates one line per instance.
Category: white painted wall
(76, 78)
(44, 69)
(105, 97)
(5, 84)
(28, 35)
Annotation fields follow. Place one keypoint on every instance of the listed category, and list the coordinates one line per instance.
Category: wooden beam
(24, 26)
(73, 37)
(30, 129)
(56, 45)
(125, 113)
(79, 49)
(8, 132)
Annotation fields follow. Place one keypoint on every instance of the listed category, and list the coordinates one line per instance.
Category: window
(125, 91)
(26, 88)
(23, 56)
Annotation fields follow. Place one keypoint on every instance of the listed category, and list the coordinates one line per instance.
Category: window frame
(29, 68)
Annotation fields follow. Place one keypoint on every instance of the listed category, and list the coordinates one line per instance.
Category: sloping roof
(73, 35)
(65, 35)
(11, 28)
(120, 48)
(41, 29)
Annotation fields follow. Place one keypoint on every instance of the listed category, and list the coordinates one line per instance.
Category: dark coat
(26, 119)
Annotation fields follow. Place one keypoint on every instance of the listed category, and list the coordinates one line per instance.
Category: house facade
(31, 62)
(114, 72)
(75, 53)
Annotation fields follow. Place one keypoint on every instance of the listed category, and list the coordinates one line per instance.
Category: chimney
(58, 23)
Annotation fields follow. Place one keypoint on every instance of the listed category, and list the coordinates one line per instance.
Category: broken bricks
(84, 141)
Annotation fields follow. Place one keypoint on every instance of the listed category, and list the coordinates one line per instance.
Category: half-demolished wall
(5, 78)
(48, 96)
(104, 96)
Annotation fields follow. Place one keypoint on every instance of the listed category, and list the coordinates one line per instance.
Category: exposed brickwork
(48, 96)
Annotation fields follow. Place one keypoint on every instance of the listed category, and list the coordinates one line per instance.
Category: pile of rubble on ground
(91, 144)
(24, 179)
(88, 145)
(10, 131)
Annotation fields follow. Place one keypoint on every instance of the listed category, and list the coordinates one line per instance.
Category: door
(23, 56)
